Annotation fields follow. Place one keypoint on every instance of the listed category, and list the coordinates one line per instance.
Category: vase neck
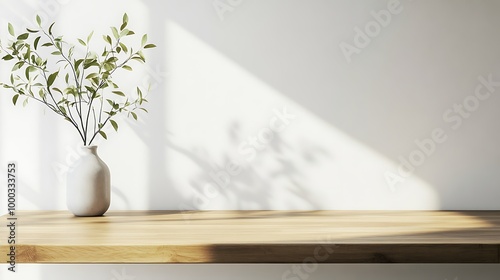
(90, 149)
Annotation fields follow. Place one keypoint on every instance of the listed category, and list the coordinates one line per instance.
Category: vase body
(88, 191)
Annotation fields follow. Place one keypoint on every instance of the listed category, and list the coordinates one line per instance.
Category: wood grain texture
(257, 237)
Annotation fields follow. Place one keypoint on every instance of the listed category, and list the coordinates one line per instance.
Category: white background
(218, 78)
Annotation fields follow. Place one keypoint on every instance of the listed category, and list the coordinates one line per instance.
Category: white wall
(218, 80)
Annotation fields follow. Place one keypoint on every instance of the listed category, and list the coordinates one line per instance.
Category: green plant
(78, 88)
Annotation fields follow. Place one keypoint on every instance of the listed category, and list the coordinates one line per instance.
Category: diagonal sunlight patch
(215, 107)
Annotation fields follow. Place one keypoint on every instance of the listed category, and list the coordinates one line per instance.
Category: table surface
(256, 237)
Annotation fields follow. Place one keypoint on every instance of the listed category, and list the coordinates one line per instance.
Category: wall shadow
(393, 93)
(247, 190)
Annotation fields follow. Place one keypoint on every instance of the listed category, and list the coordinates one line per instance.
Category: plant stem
(79, 111)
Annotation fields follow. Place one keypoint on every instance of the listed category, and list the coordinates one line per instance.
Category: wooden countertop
(256, 237)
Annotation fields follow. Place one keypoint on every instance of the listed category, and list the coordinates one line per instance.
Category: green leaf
(130, 32)
(124, 32)
(11, 29)
(77, 63)
(124, 48)
(103, 134)
(14, 98)
(52, 78)
(112, 59)
(38, 20)
(23, 36)
(82, 42)
(7, 57)
(27, 72)
(62, 109)
(90, 89)
(134, 115)
(27, 54)
(58, 90)
(125, 18)
(144, 40)
(56, 53)
(31, 30)
(90, 62)
(117, 92)
(90, 36)
(115, 32)
(123, 26)
(114, 124)
(18, 66)
(107, 39)
(47, 44)
(41, 93)
(50, 28)
(108, 66)
(25, 102)
(66, 79)
(32, 68)
(150, 46)
(139, 93)
(69, 90)
(126, 67)
(144, 110)
(138, 58)
(141, 55)
(35, 44)
(92, 75)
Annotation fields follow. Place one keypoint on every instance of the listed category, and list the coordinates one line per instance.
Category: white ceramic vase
(88, 185)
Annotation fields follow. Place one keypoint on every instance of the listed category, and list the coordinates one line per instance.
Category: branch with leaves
(79, 89)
